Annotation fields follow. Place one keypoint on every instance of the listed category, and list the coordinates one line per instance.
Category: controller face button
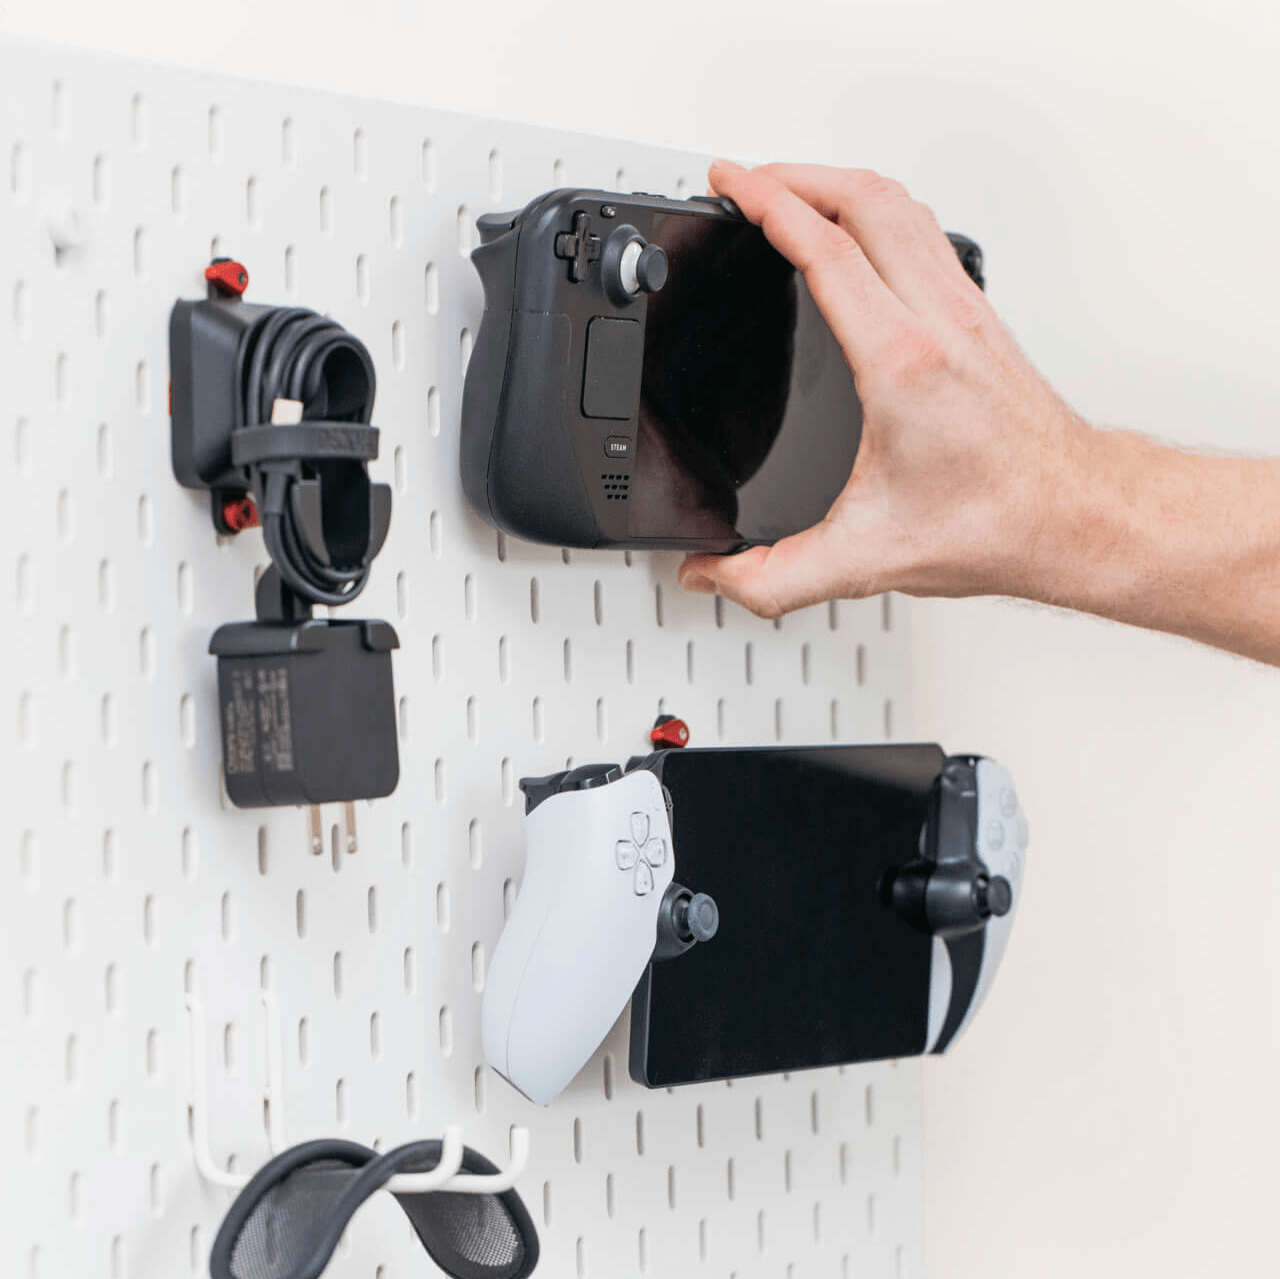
(643, 880)
(625, 854)
(640, 829)
(655, 852)
(1008, 802)
(995, 835)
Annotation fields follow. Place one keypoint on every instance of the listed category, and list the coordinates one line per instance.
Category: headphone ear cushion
(282, 1225)
(475, 1236)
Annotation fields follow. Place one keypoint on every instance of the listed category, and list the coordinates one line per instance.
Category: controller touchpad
(611, 380)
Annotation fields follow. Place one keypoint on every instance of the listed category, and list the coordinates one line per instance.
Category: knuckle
(928, 218)
(758, 598)
(767, 607)
(837, 251)
(832, 253)
(909, 356)
(968, 309)
(867, 184)
(773, 205)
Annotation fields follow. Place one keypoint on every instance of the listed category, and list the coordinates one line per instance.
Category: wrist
(1080, 520)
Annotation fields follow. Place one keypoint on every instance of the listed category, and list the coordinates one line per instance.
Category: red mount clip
(228, 278)
(239, 513)
(667, 730)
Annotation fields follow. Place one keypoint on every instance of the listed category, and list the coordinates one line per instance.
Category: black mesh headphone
(286, 1223)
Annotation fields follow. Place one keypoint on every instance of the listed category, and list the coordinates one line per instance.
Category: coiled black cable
(295, 354)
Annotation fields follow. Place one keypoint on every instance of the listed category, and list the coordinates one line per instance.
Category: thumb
(770, 580)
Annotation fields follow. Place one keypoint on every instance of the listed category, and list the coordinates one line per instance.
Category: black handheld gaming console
(865, 897)
(652, 373)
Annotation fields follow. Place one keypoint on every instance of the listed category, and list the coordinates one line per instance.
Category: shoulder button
(590, 776)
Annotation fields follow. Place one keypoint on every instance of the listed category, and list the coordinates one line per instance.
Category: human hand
(963, 443)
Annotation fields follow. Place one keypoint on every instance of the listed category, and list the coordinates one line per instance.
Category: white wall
(1113, 1113)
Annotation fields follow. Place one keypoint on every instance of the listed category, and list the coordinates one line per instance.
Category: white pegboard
(127, 882)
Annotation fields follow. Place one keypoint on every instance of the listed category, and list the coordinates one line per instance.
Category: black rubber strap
(253, 445)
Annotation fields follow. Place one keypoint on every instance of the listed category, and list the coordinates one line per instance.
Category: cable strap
(303, 441)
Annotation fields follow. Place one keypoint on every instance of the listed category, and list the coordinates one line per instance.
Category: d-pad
(641, 853)
(578, 246)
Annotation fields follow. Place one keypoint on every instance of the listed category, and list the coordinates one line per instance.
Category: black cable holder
(270, 410)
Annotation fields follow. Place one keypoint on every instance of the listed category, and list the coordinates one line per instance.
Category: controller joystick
(684, 919)
(630, 266)
(994, 896)
(598, 902)
(643, 266)
(701, 917)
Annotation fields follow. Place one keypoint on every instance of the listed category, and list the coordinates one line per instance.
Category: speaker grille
(615, 487)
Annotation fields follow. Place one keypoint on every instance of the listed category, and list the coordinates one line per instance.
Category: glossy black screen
(809, 967)
(748, 418)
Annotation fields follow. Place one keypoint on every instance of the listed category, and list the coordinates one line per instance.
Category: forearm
(1158, 537)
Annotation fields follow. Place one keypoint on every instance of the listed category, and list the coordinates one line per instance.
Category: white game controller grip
(581, 932)
(1001, 836)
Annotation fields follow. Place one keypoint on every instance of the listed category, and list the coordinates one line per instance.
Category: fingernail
(725, 165)
(696, 582)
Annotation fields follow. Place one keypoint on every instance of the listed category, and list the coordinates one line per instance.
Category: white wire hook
(451, 1152)
(199, 1097)
(471, 1183)
(444, 1176)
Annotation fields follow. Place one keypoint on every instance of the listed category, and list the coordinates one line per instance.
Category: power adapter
(270, 410)
(307, 706)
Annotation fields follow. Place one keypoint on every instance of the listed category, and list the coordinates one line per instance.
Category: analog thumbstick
(994, 896)
(684, 919)
(630, 266)
(642, 267)
(702, 917)
(651, 268)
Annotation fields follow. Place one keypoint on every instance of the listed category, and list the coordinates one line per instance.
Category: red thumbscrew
(667, 730)
(227, 277)
(240, 513)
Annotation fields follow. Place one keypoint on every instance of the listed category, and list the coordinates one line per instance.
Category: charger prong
(317, 829)
(349, 817)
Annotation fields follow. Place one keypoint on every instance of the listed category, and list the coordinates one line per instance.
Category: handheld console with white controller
(867, 893)
(652, 372)
(598, 903)
(878, 937)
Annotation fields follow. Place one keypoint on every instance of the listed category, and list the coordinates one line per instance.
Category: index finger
(857, 304)
(900, 236)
